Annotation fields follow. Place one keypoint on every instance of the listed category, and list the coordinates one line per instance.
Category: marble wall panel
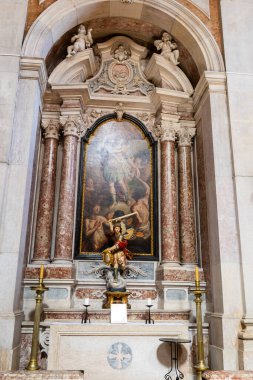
(237, 33)
(240, 87)
(244, 187)
(50, 272)
(14, 13)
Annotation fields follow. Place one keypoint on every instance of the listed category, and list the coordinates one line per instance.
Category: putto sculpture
(80, 41)
(168, 47)
(121, 53)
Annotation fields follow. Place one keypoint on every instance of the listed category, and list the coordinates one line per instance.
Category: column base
(246, 344)
(62, 261)
(41, 261)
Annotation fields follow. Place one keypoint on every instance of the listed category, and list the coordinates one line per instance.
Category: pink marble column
(44, 224)
(65, 221)
(186, 202)
(169, 221)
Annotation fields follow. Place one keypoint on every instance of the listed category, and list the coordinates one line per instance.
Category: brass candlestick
(40, 289)
(200, 367)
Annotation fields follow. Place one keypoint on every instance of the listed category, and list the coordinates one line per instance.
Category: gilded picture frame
(117, 177)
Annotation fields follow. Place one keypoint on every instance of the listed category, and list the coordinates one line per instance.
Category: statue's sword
(123, 217)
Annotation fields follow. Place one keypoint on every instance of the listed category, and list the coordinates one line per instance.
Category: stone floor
(42, 375)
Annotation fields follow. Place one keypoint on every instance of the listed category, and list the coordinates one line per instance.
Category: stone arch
(172, 16)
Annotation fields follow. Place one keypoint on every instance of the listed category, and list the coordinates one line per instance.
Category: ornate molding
(91, 115)
(72, 125)
(51, 128)
(166, 131)
(148, 119)
(119, 111)
(120, 71)
(34, 69)
(185, 136)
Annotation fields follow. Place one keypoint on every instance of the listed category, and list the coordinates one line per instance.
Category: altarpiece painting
(117, 178)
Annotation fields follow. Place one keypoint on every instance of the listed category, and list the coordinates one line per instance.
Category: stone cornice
(34, 69)
(210, 82)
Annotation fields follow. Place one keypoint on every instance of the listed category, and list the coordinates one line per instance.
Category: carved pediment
(74, 70)
(120, 72)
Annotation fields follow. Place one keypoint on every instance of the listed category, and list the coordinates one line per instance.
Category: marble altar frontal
(131, 351)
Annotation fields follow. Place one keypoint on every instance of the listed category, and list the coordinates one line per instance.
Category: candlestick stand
(200, 367)
(85, 315)
(149, 320)
(33, 363)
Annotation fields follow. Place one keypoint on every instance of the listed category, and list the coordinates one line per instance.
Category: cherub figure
(121, 53)
(80, 41)
(168, 47)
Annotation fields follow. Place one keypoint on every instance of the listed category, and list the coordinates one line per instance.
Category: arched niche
(117, 176)
(170, 15)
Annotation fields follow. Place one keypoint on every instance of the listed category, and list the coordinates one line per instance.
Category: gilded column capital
(185, 136)
(72, 125)
(51, 128)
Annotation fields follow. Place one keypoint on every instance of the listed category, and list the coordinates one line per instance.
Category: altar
(129, 351)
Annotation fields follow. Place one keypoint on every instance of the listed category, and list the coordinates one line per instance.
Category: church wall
(17, 148)
(222, 227)
(13, 15)
(237, 34)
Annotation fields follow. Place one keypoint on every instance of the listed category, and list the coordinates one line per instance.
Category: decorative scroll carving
(185, 136)
(120, 78)
(44, 341)
(148, 119)
(51, 129)
(131, 271)
(80, 41)
(168, 47)
(120, 71)
(72, 126)
(119, 111)
(166, 130)
(90, 116)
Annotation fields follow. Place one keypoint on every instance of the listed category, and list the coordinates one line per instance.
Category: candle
(197, 274)
(149, 301)
(86, 301)
(41, 272)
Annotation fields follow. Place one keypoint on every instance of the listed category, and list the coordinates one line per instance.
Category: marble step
(42, 375)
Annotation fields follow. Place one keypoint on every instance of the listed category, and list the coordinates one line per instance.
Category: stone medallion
(119, 355)
(120, 73)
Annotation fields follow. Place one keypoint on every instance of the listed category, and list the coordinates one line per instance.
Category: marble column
(65, 221)
(44, 224)
(186, 200)
(169, 217)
